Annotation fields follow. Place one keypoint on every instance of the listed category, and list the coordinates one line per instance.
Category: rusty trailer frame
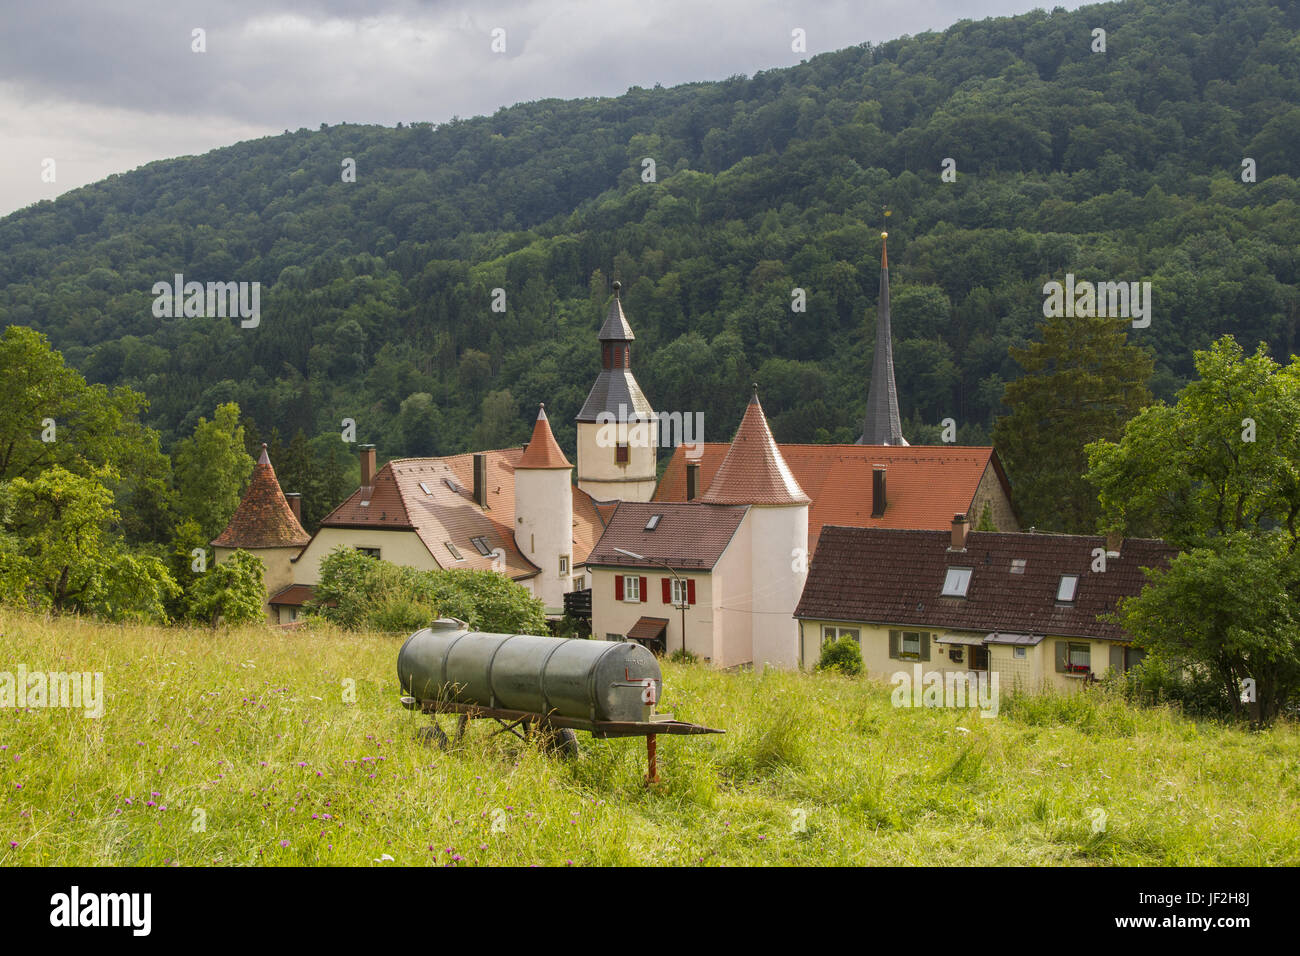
(511, 720)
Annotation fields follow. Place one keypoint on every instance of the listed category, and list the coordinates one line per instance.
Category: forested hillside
(376, 294)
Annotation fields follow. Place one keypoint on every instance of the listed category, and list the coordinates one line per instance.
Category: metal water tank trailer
(596, 681)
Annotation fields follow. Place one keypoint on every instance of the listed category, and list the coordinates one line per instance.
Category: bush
(843, 656)
(683, 656)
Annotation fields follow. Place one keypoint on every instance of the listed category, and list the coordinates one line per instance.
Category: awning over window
(1024, 640)
(975, 639)
(648, 629)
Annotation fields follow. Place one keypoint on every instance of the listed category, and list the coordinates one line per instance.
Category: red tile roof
(753, 471)
(446, 510)
(263, 518)
(888, 576)
(293, 595)
(542, 450)
(686, 537)
(925, 485)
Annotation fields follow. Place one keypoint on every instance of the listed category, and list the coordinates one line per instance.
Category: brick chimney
(295, 503)
(960, 528)
(480, 479)
(1113, 542)
(692, 480)
(878, 499)
(367, 453)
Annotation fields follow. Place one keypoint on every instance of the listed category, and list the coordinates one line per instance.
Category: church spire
(882, 425)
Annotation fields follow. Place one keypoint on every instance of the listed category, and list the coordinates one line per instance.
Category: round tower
(754, 473)
(265, 525)
(544, 514)
(618, 432)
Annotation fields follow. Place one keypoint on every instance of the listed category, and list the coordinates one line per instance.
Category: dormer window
(1067, 588)
(957, 581)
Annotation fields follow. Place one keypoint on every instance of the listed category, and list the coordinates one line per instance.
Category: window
(1073, 658)
(1019, 653)
(832, 634)
(425, 488)
(683, 592)
(957, 581)
(653, 522)
(631, 588)
(1017, 565)
(1066, 590)
(454, 553)
(369, 552)
(615, 637)
(910, 646)
(564, 564)
(979, 657)
(580, 582)
(620, 453)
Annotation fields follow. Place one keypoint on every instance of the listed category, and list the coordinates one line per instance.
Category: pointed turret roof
(754, 473)
(263, 518)
(882, 425)
(616, 392)
(543, 451)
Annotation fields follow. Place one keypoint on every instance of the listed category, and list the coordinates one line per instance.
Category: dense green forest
(377, 294)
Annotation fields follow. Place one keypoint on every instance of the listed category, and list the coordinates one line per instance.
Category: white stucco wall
(544, 530)
(779, 537)
(399, 547)
(600, 476)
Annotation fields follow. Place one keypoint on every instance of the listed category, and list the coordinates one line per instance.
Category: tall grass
(268, 748)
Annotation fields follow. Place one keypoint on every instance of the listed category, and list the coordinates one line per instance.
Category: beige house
(1025, 606)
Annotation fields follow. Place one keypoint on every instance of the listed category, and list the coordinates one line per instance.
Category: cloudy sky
(100, 89)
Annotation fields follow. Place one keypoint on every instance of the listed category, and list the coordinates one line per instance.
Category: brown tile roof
(753, 471)
(543, 451)
(293, 595)
(447, 512)
(888, 576)
(263, 518)
(925, 485)
(687, 536)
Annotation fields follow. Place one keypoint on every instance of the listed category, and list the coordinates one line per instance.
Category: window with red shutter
(690, 592)
(667, 589)
(618, 587)
(645, 591)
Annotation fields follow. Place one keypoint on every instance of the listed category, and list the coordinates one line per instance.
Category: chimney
(367, 453)
(692, 480)
(878, 500)
(960, 528)
(1113, 541)
(480, 479)
(295, 504)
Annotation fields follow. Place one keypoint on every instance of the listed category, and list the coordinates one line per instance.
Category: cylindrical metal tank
(585, 680)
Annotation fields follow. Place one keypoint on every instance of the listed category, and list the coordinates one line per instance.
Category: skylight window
(454, 553)
(425, 488)
(1066, 590)
(1017, 565)
(957, 581)
(481, 545)
(653, 522)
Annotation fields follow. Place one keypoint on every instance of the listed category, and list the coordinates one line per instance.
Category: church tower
(618, 432)
(544, 514)
(882, 426)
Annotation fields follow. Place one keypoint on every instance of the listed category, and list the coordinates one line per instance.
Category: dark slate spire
(615, 385)
(882, 426)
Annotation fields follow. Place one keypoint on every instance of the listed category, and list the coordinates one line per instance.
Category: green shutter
(893, 645)
(925, 646)
(1116, 658)
(1062, 655)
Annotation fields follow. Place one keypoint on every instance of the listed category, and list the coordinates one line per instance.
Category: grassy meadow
(239, 748)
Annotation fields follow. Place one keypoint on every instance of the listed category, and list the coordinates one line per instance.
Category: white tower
(754, 473)
(544, 514)
(618, 432)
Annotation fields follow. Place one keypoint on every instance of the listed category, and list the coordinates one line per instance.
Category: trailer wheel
(433, 734)
(562, 742)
